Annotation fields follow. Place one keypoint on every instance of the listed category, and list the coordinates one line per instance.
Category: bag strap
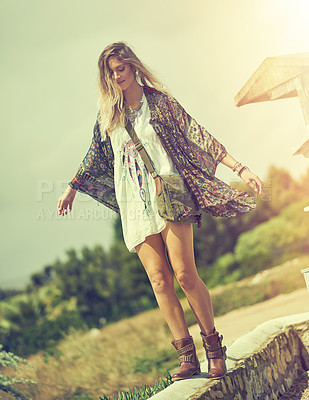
(147, 160)
(141, 149)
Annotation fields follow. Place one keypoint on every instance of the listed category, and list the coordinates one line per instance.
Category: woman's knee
(187, 281)
(161, 282)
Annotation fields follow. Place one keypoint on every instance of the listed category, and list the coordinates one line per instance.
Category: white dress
(134, 186)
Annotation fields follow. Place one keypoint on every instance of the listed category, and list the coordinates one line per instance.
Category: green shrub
(10, 360)
(274, 241)
(44, 335)
(52, 352)
(277, 240)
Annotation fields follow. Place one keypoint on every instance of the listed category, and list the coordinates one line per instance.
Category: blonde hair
(111, 111)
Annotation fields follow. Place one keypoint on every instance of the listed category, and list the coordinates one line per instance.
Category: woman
(113, 173)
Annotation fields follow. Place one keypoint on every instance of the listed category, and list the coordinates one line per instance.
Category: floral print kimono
(195, 154)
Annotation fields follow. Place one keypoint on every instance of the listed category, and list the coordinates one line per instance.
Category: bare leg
(179, 243)
(152, 254)
(178, 238)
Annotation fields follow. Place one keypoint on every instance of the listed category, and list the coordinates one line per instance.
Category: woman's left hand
(252, 180)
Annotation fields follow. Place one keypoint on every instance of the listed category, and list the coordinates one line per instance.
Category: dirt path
(239, 322)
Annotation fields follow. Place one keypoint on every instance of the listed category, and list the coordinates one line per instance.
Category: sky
(203, 50)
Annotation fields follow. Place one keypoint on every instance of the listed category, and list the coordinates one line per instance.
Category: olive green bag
(174, 201)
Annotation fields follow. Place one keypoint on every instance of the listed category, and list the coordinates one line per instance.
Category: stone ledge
(261, 365)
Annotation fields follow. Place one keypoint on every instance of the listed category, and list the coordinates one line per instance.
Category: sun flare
(296, 13)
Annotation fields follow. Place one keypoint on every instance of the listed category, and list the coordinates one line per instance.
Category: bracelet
(242, 170)
(236, 165)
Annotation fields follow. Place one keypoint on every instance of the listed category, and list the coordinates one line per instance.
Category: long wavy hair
(111, 108)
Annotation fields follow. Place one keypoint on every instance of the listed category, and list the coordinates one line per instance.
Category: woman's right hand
(65, 201)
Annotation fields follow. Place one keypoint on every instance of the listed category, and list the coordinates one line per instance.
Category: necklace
(133, 113)
(131, 110)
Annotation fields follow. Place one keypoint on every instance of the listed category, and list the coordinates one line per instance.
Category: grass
(134, 351)
(145, 392)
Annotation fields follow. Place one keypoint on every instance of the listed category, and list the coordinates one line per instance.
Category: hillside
(136, 350)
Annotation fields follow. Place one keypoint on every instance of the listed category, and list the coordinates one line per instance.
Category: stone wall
(268, 372)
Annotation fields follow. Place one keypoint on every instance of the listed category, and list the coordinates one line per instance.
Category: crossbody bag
(174, 201)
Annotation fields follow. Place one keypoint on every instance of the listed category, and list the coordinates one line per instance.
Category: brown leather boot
(189, 363)
(215, 354)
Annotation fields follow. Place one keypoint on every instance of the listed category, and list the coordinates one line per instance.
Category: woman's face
(122, 73)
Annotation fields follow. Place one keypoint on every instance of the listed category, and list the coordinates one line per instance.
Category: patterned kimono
(194, 151)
